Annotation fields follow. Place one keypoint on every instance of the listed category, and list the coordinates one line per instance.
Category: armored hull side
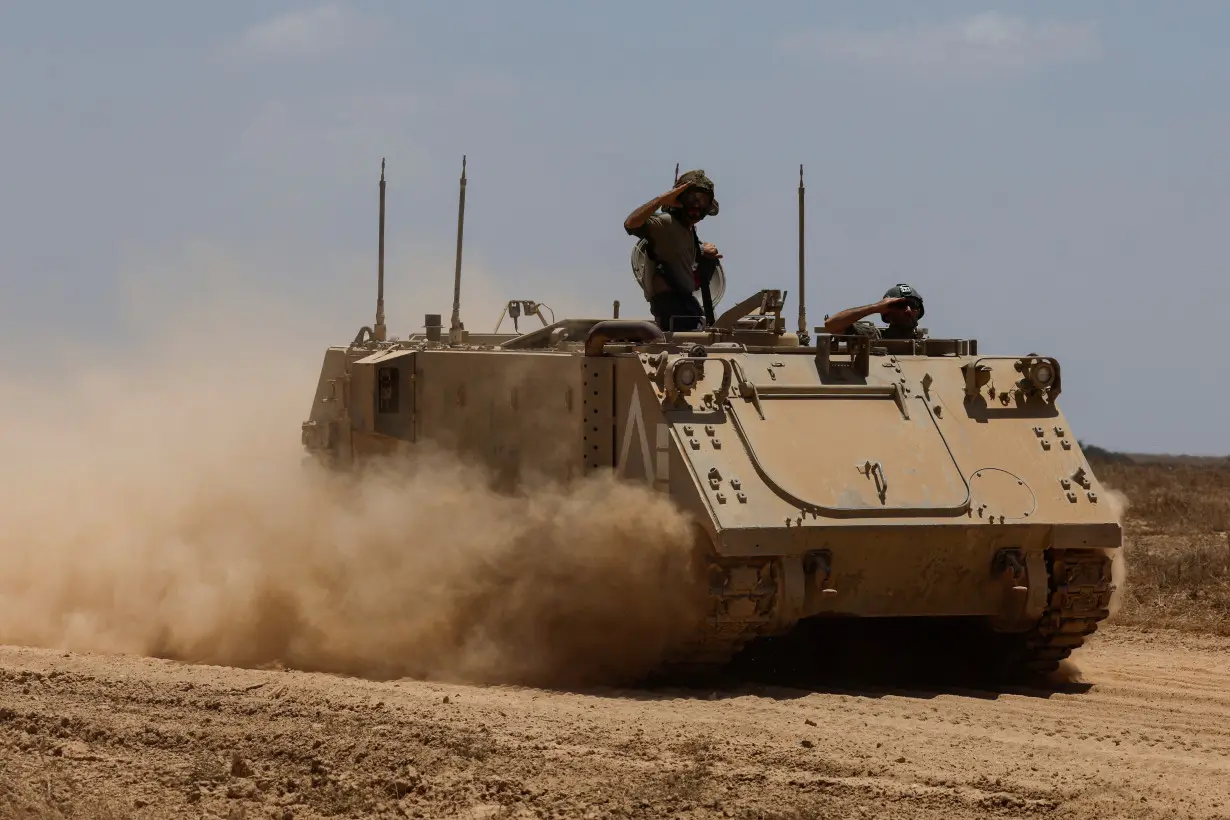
(836, 480)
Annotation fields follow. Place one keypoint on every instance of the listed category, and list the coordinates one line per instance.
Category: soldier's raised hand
(670, 199)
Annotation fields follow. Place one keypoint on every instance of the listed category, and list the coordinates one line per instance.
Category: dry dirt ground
(1145, 733)
(1140, 729)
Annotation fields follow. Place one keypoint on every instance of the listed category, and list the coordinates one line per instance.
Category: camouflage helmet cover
(697, 179)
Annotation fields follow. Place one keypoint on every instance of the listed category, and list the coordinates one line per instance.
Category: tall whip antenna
(456, 328)
(379, 332)
(803, 337)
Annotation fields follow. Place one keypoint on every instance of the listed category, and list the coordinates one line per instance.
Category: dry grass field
(1177, 538)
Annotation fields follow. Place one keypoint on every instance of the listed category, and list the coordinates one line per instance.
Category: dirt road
(1148, 735)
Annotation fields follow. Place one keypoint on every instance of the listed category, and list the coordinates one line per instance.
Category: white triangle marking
(637, 420)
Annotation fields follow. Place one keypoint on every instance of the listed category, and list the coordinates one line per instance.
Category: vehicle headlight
(1042, 374)
(685, 375)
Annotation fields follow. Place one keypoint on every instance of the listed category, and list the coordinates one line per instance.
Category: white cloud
(325, 31)
(984, 45)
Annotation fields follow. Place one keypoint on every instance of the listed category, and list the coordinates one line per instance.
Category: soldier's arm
(636, 219)
(839, 323)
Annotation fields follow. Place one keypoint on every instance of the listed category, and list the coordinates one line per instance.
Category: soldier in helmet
(900, 309)
(677, 260)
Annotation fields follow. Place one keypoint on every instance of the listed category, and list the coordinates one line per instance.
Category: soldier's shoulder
(892, 332)
(864, 328)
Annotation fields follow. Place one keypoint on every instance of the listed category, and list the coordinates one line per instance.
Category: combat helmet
(904, 291)
(698, 179)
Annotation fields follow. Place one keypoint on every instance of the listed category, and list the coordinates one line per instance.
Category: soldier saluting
(900, 309)
(679, 264)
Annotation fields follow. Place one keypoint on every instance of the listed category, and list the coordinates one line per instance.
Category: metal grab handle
(727, 373)
(875, 470)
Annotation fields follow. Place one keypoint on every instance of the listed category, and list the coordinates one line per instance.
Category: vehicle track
(1147, 736)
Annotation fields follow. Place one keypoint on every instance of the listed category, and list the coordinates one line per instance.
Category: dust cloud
(158, 502)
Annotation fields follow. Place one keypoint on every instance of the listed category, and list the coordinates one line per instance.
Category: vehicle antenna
(380, 331)
(456, 328)
(803, 337)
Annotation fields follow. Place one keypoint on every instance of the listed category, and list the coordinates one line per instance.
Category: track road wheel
(1079, 600)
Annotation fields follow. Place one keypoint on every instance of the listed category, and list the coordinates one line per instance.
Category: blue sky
(1054, 177)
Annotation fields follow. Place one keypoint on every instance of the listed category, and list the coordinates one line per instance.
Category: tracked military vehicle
(830, 477)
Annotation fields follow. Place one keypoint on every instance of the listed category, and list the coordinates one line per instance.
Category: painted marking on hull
(636, 421)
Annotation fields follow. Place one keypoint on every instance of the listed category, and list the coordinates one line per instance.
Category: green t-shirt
(674, 247)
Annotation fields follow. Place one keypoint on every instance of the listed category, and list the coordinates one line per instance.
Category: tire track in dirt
(1147, 737)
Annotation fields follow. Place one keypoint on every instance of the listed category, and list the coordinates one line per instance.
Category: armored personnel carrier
(834, 477)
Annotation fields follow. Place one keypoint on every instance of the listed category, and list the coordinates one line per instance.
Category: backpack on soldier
(644, 265)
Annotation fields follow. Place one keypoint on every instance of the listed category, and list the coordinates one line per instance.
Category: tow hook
(819, 565)
(1022, 606)
(1010, 565)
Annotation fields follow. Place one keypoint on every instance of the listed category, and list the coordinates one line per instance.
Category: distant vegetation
(1096, 453)
(1176, 533)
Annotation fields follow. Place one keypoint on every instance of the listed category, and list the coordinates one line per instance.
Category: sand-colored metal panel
(844, 478)
(598, 413)
(519, 412)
